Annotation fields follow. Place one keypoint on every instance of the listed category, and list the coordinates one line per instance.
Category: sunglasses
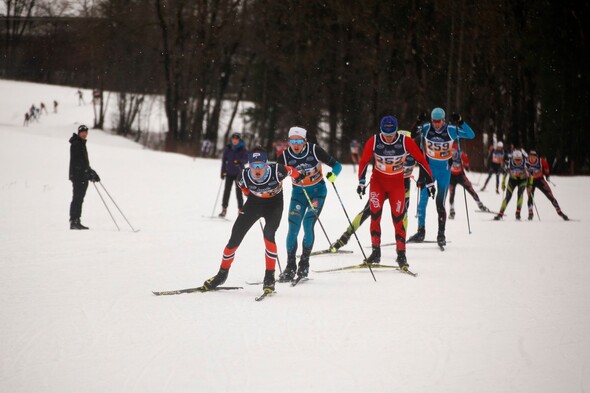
(297, 141)
(437, 121)
(258, 165)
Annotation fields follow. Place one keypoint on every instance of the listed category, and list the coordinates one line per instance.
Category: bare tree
(17, 15)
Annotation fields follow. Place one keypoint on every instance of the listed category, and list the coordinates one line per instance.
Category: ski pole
(535, 205)
(217, 198)
(467, 210)
(418, 190)
(464, 192)
(354, 232)
(117, 206)
(278, 262)
(317, 215)
(105, 205)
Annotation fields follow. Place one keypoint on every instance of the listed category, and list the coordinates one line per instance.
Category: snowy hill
(504, 309)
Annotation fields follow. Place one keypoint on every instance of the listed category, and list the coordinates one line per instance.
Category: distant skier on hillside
(80, 98)
(355, 153)
(458, 166)
(80, 174)
(55, 105)
(233, 160)
(27, 118)
(307, 158)
(518, 178)
(206, 148)
(538, 169)
(496, 158)
(262, 184)
(389, 149)
(437, 138)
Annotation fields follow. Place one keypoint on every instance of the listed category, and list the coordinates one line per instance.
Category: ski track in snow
(505, 309)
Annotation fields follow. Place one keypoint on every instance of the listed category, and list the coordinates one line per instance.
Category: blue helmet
(437, 114)
(388, 124)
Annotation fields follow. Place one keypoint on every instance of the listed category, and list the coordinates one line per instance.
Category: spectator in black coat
(235, 156)
(80, 174)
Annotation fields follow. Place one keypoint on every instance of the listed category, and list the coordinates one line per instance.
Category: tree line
(517, 71)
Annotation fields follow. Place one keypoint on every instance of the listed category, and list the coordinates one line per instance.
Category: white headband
(297, 131)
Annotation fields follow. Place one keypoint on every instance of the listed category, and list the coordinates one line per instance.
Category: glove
(302, 175)
(503, 187)
(331, 177)
(456, 118)
(421, 118)
(299, 180)
(361, 188)
(223, 175)
(431, 190)
(423, 178)
(93, 176)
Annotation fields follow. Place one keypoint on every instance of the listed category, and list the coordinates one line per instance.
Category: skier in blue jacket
(437, 137)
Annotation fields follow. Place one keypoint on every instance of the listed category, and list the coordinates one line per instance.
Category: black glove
(302, 174)
(431, 190)
(423, 178)
(361, 189)
(421, 118)
(222, 175)
(456, 118)
(93, 176)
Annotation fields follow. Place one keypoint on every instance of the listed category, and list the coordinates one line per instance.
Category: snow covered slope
(505, 309)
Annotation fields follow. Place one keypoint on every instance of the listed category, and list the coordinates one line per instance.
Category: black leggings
(464, 181)
(270, 209)
(229, 182)
(79, 193)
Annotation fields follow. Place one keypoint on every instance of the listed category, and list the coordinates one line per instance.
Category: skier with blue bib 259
(437, 138)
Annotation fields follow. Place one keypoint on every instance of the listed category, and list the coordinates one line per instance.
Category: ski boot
(216, 280)
(517, 215)
(562, 215)
(452, 214)
(497, 190)
(441, 239)
(481, 207)
(289, 272)
(530, 215)
(75, 224)
(268, 285)
(340, 242)
(223, 212)
(418, 237)
(303, 269)
(375, 256)
(499, 216)
(402, 261)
